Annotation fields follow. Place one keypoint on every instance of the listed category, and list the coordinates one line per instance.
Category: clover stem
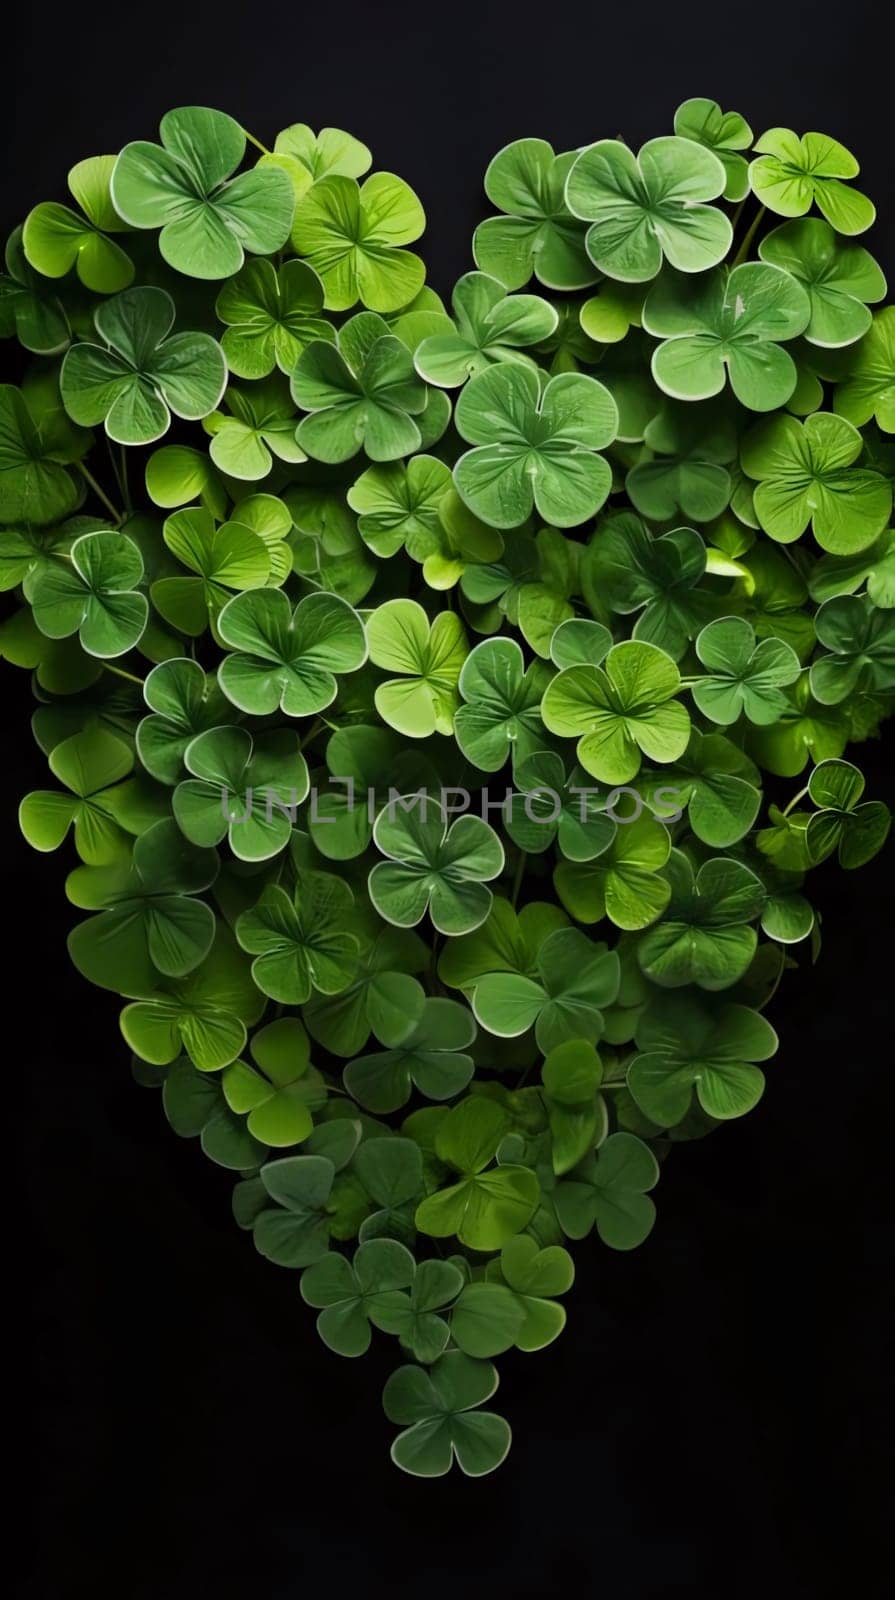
(794, 801)
(751, 231)
(125, 491)
(100, 492)
(317, 726)
(120, 673)
(517, 876)
(256, 142)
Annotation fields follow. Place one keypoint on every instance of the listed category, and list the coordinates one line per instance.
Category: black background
(707, 1422)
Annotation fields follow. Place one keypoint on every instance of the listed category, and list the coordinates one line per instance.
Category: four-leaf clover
(287, 659)
(533, 449)
(807, 473)
(352, 236)
(684, 1046)
(489, 326)
(433, 867)
(790, 174)
(620, 712)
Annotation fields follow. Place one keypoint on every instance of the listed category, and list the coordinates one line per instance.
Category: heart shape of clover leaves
(445, 703)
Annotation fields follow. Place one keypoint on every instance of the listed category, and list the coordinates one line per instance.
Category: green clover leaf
(578, 1120)
(507, 941)
(574, 981)
(533, 1274)
(536, 233)
(533, 449)
(624, 883)
(287, 659)
(195, 1107)
(875, 566)
(857, 832)
(35, 484)
(790, 174)
(352, 236)
(399, 507)
(391, 1172)
(684, 1046)
(362, 393)
(182, 701)
(743, 678)
(352, 1295)
(685, 469)
(295, 1231)
(301, 942)
(501, 710)
(439, 1422)
(431, 1058)
(270, 317)
(383, 995)
(728, 326)
(94, 595)
(489, 325)
(184, 186)
(433, 867)
(548, 806)
(609, 1191)
(429, 658)
(414, 1316)
(91, 765)
(222, 559)
(620, 712)
(704, 936)
(646, 208)
(806, 473)
(861, 645)
(841, 280)
(726, 133)
(141, 373)
(807, 730)
(869, 387)
(657, 577)
(56, 238)
(259, 424)
(329, 151)
(242, 789)
(28, 308)
(488, 1204)
(148, 922)
(719, 786)
(278, 1094)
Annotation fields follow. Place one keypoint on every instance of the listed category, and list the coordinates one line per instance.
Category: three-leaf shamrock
(859, 651)
(649, 207)
(243, 789)
(141, 373)
(609, 1190)
(743, 678)
(537, 233)
(501, 710)
(184, 186)
(94, 594)
(704, 936)
(489, 326)
(684, 1046)
(431, 1057)
(440, 1425)
(840, 279)
(533, 449)
(56, 238)
(807, 473)
(856, 830)
(278, 1093)
(574, 980)
(90, 764)
(429, 657)
(728, 327)
(486, 1205)
(724, 132)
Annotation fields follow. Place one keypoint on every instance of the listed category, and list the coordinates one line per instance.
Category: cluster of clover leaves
(604, 543)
